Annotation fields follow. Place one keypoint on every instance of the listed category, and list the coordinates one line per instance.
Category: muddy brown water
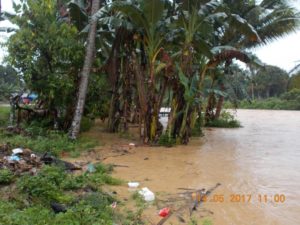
(261, 158)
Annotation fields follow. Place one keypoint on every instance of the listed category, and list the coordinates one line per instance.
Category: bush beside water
(31, 197)
(287, 101)
(226, 120)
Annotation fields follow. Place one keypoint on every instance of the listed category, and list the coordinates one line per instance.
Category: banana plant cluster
(161, 53)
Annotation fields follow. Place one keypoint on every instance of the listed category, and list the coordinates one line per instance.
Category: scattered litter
(24, 160)
(113, 205)
(58, 208)
(133, 184)
(91, 168)
(164, 212)
(131, 145)
(17, 151)
(14, 158)
(147, 194)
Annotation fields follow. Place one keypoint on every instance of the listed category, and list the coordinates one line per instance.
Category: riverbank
(248, 162)
(287, 101)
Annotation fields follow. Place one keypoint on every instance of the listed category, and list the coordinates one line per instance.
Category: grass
(4, 115)
(41, 139)
(27, 199)
(31, 196)
(53, 142)
(6, 176)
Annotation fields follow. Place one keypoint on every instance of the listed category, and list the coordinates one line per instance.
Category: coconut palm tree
(84, 76)
(270, 19)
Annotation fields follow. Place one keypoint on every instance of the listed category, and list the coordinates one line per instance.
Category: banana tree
(146, 18)
(197, 21)
(192, 99)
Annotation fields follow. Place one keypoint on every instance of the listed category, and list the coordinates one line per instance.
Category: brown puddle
(262, 158)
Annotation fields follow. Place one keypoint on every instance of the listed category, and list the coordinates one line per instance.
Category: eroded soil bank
(259, 162)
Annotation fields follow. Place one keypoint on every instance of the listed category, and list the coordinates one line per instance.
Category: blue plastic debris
(91, 168)
(14, 158)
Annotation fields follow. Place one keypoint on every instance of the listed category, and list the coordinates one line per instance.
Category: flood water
(261, 158)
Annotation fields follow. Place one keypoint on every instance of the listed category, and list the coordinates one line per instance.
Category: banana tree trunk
(183, 133)
(88, 61)
(220, 103)
(219, 107)
(141, 95)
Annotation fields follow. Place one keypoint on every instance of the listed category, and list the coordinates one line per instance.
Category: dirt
(248, 162)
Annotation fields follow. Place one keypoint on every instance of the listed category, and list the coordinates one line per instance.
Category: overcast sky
(284, 52)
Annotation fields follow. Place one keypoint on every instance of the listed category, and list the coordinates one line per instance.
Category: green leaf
(78, 15)
(244, 27)
(153, 10)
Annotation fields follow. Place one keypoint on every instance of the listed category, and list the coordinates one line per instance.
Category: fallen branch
(192, 206)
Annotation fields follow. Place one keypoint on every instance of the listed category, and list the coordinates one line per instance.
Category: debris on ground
(164, 212)
(113, 205)
(21, 160)
(131, 145)
(58, 208)
(187, 202)
(133, 184)
(91, 168)
(147, 194)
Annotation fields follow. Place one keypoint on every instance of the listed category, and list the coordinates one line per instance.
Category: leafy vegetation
(122, 61)
(54, 185)
(4, 115)
(146, 52)
(287, 101)
(294, 82)
(226, 120)
(6, 176)
(52, 142)
(9, 82)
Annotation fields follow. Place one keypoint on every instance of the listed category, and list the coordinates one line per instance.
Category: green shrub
(45, 186)
(226, 120)
(49, 183)
(4, 115)
(197, 130)
(86, 124)
(94, 209)
(165, 140)
(6, 176)
(287, 101)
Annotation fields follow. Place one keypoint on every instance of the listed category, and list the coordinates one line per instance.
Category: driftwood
(200, 195)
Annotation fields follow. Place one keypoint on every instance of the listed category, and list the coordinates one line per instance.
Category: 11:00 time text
(245, 198)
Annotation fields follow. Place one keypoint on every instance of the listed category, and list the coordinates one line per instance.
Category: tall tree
(84, 78)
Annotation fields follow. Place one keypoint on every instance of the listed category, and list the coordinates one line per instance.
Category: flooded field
(257, 165)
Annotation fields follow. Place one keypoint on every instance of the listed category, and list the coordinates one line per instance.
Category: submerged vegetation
(226, 120)
(122, 61)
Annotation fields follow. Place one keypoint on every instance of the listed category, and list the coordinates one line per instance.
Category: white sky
(284, 52)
